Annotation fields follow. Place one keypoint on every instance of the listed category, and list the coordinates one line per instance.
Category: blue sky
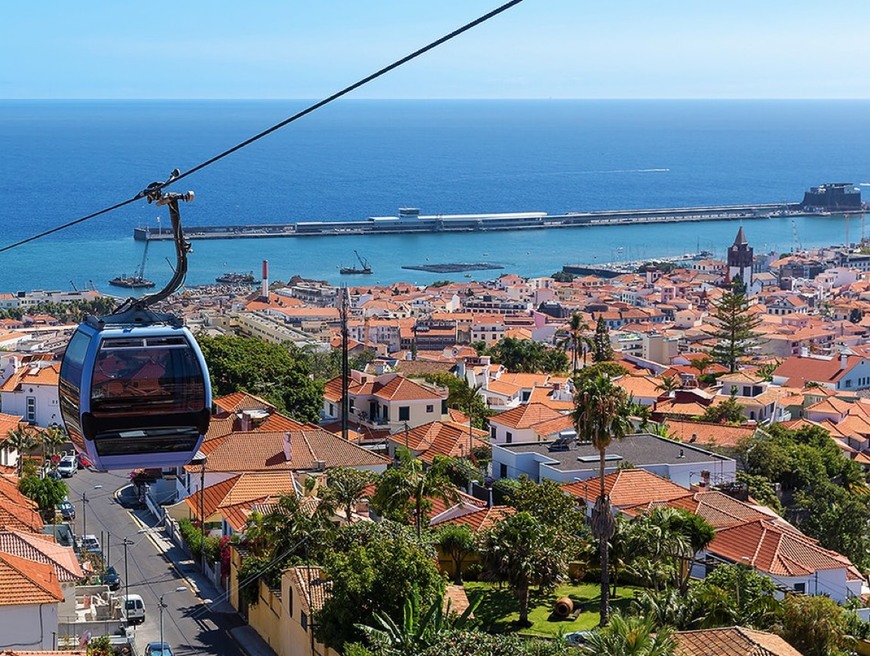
(539, 49)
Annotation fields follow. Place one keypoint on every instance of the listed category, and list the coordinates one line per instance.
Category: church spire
(740, 239)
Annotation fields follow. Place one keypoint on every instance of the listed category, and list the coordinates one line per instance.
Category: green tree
(22, 438)
(373, 568)
(728, 411)
(345, 487)
(734, 328)
(602, 349)
(601, 415)
(458, 542)
(760, 489)
(46, 492)
(548, 503)
(815, 626)
(52, 437)
(527, 356)
(630, 636)
(464, 397)
(669, 384)
(522, 551)
(404, 492)
(278, 373)
(609, 369)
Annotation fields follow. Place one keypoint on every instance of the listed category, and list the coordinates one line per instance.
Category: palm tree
(457, 541)
(600, 415)
(404, 491)
(701, 365)
(575, 339)
(22, 438)
(345, 486)
(52, 437)
(467, 398)
(631, 636)
(669, 384)
(521, 551)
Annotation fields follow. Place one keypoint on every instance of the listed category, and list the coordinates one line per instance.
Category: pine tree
(734, 328)
(602, 350)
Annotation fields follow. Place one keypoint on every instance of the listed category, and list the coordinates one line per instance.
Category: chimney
(844, 360)
(805, 352)
(264, 291)
(705, 478)
(288, 452)
(244, 422)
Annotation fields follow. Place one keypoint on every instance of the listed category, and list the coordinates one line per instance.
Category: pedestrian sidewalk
(248, 640)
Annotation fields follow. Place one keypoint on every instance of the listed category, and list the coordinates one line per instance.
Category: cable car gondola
(134, 389)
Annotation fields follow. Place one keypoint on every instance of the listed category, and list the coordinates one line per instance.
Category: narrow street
(190, 626)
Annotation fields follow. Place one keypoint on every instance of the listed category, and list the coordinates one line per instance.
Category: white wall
(28, 626)
(47, 408)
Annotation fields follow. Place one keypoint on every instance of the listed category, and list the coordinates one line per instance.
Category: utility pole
(345, 369)
(84, 514)
(127, 542)
(202, 511)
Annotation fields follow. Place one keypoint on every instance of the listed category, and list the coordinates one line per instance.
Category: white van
(134, 609)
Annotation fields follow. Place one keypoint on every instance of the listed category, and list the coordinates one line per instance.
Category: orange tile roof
(17, 512)
(707, 433)
(439, 439)
(776, 551)
(627, 487)
(238, 401)
(544, 395)
(239, 489)
(481, 520)
(401, 389)
(260, 451)
(25, 582)
(525, 416)
(7, 423)
(312, 588)
(717, 508)
(732, 641)
(43, 549)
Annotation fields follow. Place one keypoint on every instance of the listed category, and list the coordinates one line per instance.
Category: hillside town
(467, 469)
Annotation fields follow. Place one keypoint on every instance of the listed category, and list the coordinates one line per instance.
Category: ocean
(60, 160)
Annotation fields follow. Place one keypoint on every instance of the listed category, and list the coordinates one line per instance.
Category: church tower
(740, 260)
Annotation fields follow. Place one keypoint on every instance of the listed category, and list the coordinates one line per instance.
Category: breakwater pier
(409, 220)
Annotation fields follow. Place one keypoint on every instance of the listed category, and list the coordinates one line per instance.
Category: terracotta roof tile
(43, 549)
(25, 582)
(261, 451)
(733, 641)
(238, 401)
(525, 416)
(627, 487)
(482, 519)
(310, 586)
(239, 489)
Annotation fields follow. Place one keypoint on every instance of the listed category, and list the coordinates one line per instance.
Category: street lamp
(180, 588)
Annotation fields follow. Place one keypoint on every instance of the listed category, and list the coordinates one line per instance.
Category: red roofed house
(626, 488)
(788, 557)
(518, 424)
(29, 597)
(31, 392)
(437, 439)
(389, 401)
(845, 372)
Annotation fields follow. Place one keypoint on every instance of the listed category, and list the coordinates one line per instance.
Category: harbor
(834, 198)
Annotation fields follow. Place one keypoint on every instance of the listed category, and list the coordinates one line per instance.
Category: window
(404, 413)
(350, 405)
(331, 410)
(304, 621)
(290, 601)
(800, 587)
(492, 433)
(31, 408)
(502, 470)
(509, 437)
(430, 409)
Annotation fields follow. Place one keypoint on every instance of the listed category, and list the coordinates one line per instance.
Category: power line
(158, 186)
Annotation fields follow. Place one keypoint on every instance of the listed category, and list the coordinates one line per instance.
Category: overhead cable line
(157, 186)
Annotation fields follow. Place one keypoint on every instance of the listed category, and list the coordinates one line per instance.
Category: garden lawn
(499, 610)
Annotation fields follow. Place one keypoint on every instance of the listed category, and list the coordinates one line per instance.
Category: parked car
(83, 461)
(158, 649)
(67, 466)
(90, 544)
(134, 610)
(53, 473)
(111, 578)
(67, 510)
